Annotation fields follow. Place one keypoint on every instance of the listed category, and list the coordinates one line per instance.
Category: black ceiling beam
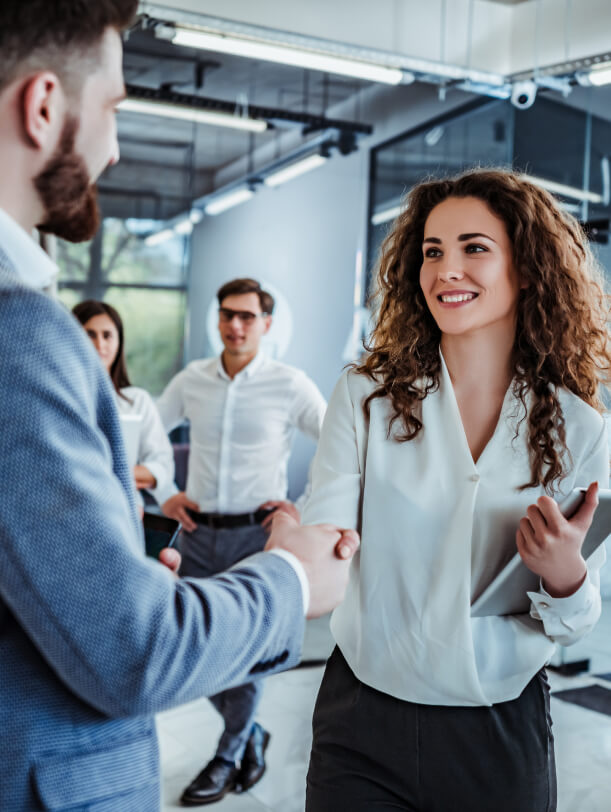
(274, 116)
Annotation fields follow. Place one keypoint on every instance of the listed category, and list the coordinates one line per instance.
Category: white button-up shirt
(436, 529)
(34, 265)
(241, 429)
(154, 448)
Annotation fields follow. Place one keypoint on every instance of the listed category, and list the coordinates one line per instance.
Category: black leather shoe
(253, 760)
(213, 783)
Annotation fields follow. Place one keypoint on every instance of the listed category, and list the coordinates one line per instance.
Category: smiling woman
(560, 337)
(478, 401)
(468, 278)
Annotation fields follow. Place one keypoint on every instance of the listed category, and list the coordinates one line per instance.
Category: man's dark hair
(56, 35)
(245, 285)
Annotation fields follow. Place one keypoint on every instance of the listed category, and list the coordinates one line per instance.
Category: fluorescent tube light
(597, 75)
(184, 227)
(181, 111)
(227, 201)
(287, 55)
(158, 237)
(295, 169)
(564, 190)
(385, 215)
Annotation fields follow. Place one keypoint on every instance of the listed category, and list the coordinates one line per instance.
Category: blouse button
(474, 477)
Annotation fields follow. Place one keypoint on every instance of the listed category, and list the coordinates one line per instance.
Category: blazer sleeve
(115, 627)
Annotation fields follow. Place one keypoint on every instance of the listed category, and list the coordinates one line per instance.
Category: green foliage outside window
(153, 310)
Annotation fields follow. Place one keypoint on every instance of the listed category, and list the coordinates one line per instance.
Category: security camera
(523, 94)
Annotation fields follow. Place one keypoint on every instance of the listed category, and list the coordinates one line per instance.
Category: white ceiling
(166, 163)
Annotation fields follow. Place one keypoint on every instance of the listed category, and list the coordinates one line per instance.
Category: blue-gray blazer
(95, 637)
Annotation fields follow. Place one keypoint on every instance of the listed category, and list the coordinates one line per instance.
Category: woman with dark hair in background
(154, 468)
(474, 413)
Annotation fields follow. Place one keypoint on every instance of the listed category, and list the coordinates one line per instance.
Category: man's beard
(69, 199)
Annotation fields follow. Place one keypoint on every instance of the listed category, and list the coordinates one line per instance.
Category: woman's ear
(43, 110)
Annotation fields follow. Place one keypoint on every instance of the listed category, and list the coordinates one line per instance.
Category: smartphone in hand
(159, 532)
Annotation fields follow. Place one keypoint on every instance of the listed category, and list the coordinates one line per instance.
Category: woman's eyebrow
(436, 240)
(463, 237)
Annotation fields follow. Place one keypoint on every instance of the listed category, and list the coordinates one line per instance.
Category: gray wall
(303, 238)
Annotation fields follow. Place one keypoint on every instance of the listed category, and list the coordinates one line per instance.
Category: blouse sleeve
(337, 465)
(566, 620)
(155, 450)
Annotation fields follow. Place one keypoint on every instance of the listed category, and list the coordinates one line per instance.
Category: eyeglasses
(245, 316)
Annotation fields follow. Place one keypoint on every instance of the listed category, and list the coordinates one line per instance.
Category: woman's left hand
(143, 477)
(550, 544)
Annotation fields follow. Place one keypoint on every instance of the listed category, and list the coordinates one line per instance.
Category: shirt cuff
(565, 609)
(159, 472)
(299, 572)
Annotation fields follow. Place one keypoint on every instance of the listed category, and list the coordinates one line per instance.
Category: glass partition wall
(553, 140)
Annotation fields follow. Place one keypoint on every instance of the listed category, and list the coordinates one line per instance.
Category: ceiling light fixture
(564, 190)
(159, 237)
(183, 227)
(295, 169)
(596, 76)
(227, 201)
(169, 110)
(287, 55)
(384, 215)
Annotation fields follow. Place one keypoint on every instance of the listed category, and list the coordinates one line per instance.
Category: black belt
(226, 521)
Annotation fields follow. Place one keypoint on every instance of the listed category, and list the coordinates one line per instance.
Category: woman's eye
(475, 249)
(432, 252)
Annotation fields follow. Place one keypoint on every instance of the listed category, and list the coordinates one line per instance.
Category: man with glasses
(243, 409)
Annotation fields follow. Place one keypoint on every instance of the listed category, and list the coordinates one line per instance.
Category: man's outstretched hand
(325, 552)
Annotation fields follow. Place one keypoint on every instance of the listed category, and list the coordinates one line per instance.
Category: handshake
(325, 552)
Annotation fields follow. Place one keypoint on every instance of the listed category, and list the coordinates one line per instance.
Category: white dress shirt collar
(248, 370)
(33, 265)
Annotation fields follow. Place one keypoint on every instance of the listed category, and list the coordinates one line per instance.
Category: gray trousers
(207, 552)
(372, 751)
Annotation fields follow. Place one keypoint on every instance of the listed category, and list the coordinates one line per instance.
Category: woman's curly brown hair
(561, 336)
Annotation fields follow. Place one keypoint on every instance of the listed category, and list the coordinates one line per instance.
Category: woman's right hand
(176, 508)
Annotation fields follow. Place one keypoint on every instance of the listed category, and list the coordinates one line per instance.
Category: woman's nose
(451, 268)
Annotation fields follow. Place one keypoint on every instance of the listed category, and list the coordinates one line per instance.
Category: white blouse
(154, 449)
(435, 530)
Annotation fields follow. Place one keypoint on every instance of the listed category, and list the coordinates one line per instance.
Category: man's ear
(43, 107)
(268, 324)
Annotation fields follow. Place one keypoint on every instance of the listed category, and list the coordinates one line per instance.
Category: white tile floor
(188, 735)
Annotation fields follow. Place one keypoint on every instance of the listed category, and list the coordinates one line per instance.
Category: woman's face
(105, 337)
(467, 274)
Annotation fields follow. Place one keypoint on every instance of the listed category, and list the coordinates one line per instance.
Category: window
(146, 284)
